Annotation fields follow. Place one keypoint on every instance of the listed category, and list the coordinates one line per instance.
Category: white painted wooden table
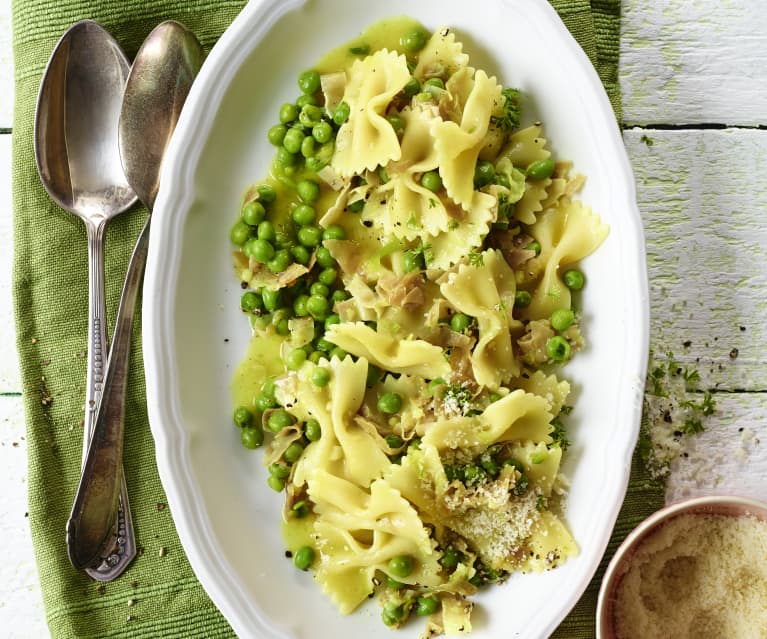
(695, 105)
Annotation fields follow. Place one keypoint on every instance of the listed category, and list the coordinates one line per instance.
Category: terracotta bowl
(621, 561)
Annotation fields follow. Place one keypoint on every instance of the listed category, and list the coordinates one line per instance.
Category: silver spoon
(159, 81)
(79, 164)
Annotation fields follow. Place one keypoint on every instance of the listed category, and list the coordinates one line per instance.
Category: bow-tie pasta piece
(367, 139)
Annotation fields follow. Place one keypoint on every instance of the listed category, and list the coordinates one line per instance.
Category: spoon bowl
(79, 164)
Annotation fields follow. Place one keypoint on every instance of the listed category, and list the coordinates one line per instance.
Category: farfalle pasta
(410, 266)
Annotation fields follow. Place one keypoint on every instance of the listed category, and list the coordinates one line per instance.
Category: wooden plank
(21, 612)
(6, 66)
(702, 195)
(695, 61)
(10, 380)
(729, 457)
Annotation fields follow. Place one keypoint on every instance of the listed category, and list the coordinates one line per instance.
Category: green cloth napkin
(159, 595)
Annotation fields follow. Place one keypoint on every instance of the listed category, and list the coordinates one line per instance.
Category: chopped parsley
(509, 119)
(476, 259)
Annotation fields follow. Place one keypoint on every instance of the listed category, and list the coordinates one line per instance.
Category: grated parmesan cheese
(699, 576)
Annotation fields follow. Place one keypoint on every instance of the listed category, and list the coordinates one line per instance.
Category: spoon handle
(120, 550)
(96, 503)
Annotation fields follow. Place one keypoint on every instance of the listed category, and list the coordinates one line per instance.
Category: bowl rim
(724, 505)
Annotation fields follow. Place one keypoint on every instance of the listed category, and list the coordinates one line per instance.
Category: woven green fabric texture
(159, 595)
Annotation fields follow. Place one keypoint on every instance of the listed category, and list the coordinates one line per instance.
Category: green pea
(309, 81)
(279, 470)
(272, 299)
(484, 173)
(322, 132)
(413, 41)
(397, 123)
(320, 376)
(412, 87)
(328, 276)
(299, 306)
(310, 115)
(266, 193)
(300, 254)
(474, 474)
(269, 387)
(356, 206)
(280, 419)
(293, 140)
(320, 289)
(373, 376)
(334, 232)
(339, 295)
(392, 613)
(534, 246)
(493, 397)
(338, 353)
(288, 112)
(522, 299)
(251, 437)
(558, 348)
(308, 190)
(412, 261)
(300, 509)
(317, 306)
(401, 566)
(242, 416)
(435, 384)
(394, 441)
(341, 114)
(309, 236)
(277, 134)
(293, 452)
(260, 250)
(390, 403)
(540, 169)
(303, 214)
(324, 258)
(315, 164)
(331, 320)
(312, 430)
(573, 279)
(250, 302)
(425, 606)
(303, 100)
(460, 322)
(432, 181)
(450, 558)
(562, 319)
(279, 262)
(304, 558)
(435, 82)
(253, 213)
(239, 233)
(308, 146)
(276, 484)
(285, 158)
(315, 357)
(325, 345)
(295, 359)
(282, 327)
(264, 402)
